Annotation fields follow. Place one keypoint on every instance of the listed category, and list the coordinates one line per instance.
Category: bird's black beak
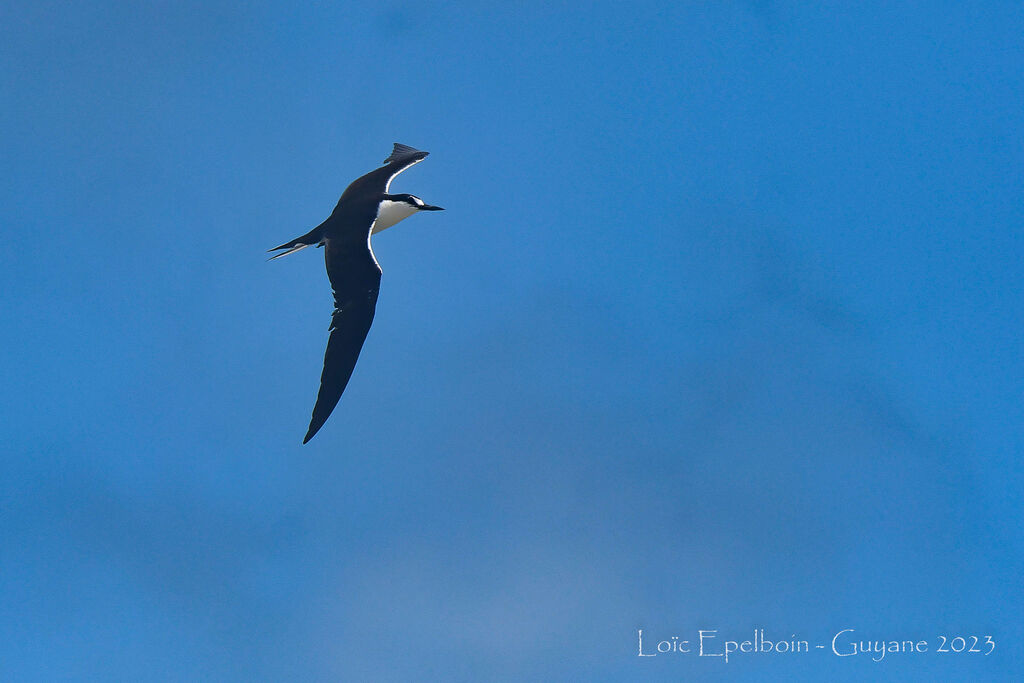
(428, 207)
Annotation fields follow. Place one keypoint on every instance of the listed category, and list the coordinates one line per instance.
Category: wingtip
(310, 433)
(399, 150)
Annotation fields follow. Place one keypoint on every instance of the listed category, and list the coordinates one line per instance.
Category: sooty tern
(365, 208)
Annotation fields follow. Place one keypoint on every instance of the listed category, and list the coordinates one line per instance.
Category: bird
(364, 209)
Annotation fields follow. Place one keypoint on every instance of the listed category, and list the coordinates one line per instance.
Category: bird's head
(418, 204)
(397, 207)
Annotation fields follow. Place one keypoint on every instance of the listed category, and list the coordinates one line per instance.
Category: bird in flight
(365, 208)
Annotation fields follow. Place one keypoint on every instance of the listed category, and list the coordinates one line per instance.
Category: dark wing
(355, 278)
(378, 181)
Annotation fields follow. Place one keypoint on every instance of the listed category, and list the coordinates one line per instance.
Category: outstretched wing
(379, 180)
(355, 278)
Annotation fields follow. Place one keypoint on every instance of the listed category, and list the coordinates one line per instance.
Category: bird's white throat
(390, 212)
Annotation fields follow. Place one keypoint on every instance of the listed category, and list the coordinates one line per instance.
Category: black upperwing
(378, 181)
(355, 278)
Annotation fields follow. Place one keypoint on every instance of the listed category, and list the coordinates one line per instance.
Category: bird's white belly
(389, 213)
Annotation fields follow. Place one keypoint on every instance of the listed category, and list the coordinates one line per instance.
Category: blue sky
(720, 330)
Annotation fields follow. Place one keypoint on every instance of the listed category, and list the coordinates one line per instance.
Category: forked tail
(313, 237)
